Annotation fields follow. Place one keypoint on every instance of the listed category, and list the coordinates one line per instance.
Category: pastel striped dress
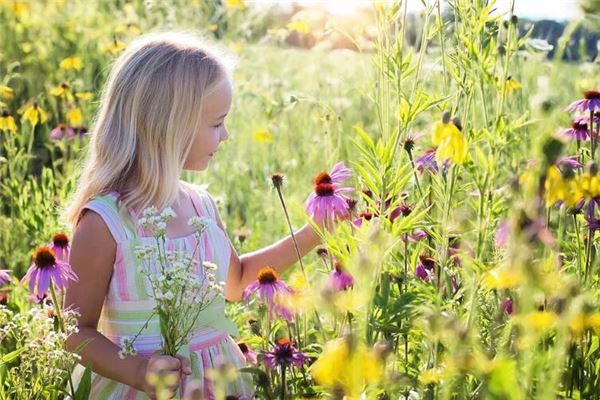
(128, 302)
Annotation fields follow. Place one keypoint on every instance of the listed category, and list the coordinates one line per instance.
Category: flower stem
(287, 218)
(282, 382)
(61, 326)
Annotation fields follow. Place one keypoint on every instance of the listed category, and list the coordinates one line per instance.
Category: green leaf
(85, 385)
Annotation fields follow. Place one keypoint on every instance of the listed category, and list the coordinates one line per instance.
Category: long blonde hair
(149, 111)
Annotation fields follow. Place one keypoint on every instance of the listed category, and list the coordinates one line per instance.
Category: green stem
(287, 218)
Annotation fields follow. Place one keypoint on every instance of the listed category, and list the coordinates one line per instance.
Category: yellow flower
(555, 187)
(7, 122)
(592, 321)
(20, 8)
(511, 85)
(84, 96)
(26, 47)
(502, 278)
(235, 4)
(114, 47)
(74, 117)
(34, 114)
(299, 26)
(350, 369)
(451, 143)
(6, 92)
(63, 92)
(71, 63)
(431, 375)
(213, 27)
(589, 185)
(541, 321)
(262, 136)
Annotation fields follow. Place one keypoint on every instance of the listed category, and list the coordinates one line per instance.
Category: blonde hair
(150, 110)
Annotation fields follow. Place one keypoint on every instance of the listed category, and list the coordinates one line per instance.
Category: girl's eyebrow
(223, 116)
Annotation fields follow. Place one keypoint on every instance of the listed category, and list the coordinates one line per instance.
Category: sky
(534, 9)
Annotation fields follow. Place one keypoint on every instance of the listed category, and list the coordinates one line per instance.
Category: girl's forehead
(218, 101)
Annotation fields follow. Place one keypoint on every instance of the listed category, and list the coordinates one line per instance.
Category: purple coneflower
(425, 269)
(269, 288)
(60, 246)
(340, 279)
(284, 354)
(501, 237)
(61, 131)
(590, 214)
(339, 173)
(4, 276)
(416, 236)
(569, 162)
(328, 201)
(507, 306)
(426, 161)
(249, 355)
(578, 129)
(46, 270)
(366, 216)
(590, 102)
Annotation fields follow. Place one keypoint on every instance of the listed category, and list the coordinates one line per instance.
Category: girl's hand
(164, 369)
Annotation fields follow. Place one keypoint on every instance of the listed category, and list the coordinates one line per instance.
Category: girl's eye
(218, 126)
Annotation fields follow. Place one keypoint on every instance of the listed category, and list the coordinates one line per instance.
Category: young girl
(162, 111)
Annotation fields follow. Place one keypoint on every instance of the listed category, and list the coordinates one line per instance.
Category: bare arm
(92, 257)
(280, 256)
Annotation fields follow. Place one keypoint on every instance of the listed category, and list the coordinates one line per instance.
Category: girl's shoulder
(203, 196)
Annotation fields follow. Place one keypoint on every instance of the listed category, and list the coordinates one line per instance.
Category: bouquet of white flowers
(180, 292)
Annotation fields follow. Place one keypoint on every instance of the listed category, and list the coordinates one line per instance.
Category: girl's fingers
(186, 366)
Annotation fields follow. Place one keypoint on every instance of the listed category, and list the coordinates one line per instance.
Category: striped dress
(128, 302)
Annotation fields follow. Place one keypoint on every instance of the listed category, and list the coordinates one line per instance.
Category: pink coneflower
(4, 276)
(426, 268)
(590, 102)
(339, 173)
(569, 162)
(507, 306)
(284, 354)
(269, 288)
(416, 236)
(366, 216)
(46, 270)
(426, 161)
(60, 246)
(340, 279)
(249, 355)
(328, 200)
(578, 129)
(61, 131)
(501, 237)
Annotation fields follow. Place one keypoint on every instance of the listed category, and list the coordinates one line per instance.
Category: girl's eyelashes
(218, 125)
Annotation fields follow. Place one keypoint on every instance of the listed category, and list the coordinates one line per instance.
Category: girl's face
(213, 131)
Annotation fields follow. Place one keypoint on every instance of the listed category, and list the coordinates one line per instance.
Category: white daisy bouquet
(180, 292)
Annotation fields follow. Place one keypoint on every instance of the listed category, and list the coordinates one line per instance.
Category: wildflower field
(467, 263)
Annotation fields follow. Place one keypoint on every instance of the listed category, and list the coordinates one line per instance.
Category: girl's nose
(224, 135)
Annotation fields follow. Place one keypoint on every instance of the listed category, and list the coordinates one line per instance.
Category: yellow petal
(262, 136)
(74, 117)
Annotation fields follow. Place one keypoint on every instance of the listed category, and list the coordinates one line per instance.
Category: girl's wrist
(139, 378)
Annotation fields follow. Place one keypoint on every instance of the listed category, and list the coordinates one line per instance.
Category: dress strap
(106, 207)
(198, 200)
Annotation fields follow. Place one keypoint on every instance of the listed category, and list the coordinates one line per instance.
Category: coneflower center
(243, 347)
(267, 275)
(44, 257)
(427, 261)
(324, 189)
(323, 177)
(591, 95)
(579, 125)
(60, 240)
